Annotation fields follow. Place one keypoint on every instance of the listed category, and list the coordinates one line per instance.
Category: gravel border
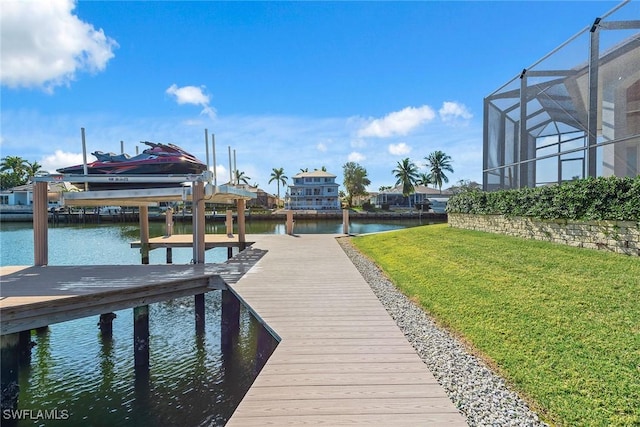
(481, 395)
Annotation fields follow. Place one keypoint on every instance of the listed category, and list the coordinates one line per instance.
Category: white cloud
(399, 149)
(398, 123)
(321, 147)
(44, 44)
(453, 112)
(61, 159)
(192, 95)
(354, 156)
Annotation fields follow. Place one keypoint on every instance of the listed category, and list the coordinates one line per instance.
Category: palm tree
(241, 177)
(425, 179)
(13, 164)
(31, 169)
(12, 172)
(406, 173)
(279, 177)
(438, 162)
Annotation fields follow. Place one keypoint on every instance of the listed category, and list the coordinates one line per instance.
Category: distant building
(262, 198)
(22, 195)
(573, 114)
(393, 198)
(315, 190)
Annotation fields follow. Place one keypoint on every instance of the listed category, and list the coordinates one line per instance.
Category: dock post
(200, 315)
(289, 222)
(10, 362)
(241, 225)
(40, 224)
(144, 234)
(345, 221)
(168, 233)
(229, 223)
(230, 322)
(141, 336)
(25, 344)
(198, 222)
(106, 324)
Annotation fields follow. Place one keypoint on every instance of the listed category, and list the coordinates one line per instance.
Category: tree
(279, 177)
(438, 162)
(355, 181)
(406, 173)
(32, 168)
(241, 177)
(13, 171)
(425, 179)
(464, 186)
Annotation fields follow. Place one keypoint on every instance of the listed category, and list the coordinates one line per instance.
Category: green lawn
(561, 324)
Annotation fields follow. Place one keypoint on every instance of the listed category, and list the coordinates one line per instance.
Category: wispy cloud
(354, 156)
(45, 45)
(193, 95)
(400, 149)
(454, 113)
(398, 123)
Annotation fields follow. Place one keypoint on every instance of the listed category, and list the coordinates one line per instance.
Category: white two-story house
(315, 190)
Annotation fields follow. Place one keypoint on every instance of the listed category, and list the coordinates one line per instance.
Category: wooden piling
(141, 336)
(168, 233)
(200, 314)
(198, 221)
(241, 225)
(144, 234)
(9, 365)
(345, 221)
(24, 347)
(230, 322)
(40, 224)
(229, 223)
(290, 222)
(106, 324)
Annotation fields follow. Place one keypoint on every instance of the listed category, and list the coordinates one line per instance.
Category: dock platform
(341, 360)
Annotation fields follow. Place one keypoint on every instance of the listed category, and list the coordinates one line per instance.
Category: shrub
(609, 198)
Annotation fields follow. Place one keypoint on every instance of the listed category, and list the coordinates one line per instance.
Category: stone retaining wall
(614, 236)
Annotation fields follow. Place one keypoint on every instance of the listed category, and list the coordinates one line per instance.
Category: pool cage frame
(580, 121)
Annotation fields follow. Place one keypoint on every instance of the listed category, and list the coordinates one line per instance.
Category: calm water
(190, 382)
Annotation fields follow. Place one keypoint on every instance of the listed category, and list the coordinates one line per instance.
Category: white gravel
(481, 395)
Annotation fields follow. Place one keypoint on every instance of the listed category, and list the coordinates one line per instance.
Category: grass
(560, 324)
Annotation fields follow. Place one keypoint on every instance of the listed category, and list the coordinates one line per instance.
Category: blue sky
(291, 85)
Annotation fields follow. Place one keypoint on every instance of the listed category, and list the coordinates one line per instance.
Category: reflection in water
(189, 381)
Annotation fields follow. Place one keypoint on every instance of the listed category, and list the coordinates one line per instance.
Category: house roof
(54, 187)
(315, 174)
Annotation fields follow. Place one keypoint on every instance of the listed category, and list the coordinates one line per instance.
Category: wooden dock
(342, 360)
(38, 296)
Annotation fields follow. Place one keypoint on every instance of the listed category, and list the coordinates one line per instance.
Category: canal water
(75, 377)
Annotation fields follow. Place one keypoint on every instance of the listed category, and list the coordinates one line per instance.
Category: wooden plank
(406, 420)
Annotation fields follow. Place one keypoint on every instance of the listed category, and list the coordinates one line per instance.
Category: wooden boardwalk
(342, 360)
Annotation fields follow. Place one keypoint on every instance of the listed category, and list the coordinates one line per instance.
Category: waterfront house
(261, 199)
(315, 190)
(22, 195)
(393, 198)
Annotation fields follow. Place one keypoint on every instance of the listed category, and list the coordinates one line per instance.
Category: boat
(158, 159)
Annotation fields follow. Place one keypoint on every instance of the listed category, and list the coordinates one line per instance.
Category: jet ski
(158, 159)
